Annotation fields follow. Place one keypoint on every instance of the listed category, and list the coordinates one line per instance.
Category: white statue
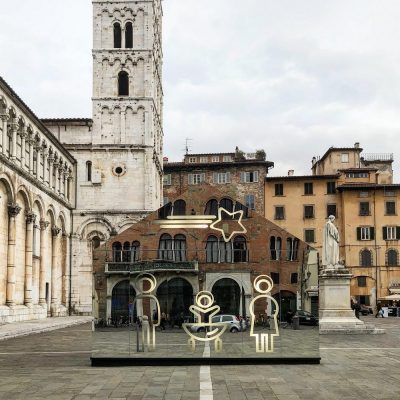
(330, 248)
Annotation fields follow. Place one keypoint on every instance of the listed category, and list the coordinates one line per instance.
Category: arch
(123, 83)
(175, 296)
(128, 35)
(64, 221)
(227, 293)
(40, 203)
(366, 258)
(179, 207)
(94, 220)
(23, 191)
(6, 180)
(51, 212)
(117, 31)
(165, 211)
(122, 301)
(392, 258)
(212, 253)
(211, 207)
(239, 249)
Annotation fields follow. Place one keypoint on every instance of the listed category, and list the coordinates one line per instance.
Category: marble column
(45, 177)
(38, 155)
(55, 230)
(42, 272)
(4, 119)
(30, 220)
(31, 142)
(13, 211)
(51, 161)
(23, 135)
(14, 128)
(55, 176)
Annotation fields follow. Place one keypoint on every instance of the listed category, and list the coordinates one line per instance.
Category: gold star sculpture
(232, 214)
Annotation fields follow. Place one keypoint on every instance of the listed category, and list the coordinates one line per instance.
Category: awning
(391, 297)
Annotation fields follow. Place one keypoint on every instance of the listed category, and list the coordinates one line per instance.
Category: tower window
(123, 84)
(128, 35)
(117, 36)
(89, 171)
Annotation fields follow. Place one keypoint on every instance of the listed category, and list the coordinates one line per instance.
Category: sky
(291, 77)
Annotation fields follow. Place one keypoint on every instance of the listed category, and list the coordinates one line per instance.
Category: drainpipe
(70, 268)
(376, 250)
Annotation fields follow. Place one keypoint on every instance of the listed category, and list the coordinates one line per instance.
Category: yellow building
(358, 189)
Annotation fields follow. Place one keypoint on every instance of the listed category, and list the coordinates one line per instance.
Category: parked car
(233, 322)
(365, 310)
(306, 318)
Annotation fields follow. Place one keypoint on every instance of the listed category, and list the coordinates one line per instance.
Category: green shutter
(384, 233)
(397, 232)
(372, 233)
(358, 233)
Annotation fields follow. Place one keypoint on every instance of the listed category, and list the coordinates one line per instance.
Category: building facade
(237, 174)
(119, 150)
(358, 190)
(37, 195)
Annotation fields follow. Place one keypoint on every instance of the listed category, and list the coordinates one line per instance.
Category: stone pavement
(55, 365)
(16, 329)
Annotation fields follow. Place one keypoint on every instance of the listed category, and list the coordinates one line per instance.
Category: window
(389, 193)
(165, 247)
(221, 177)
(240, 207)
(179, 207)
(309, 235)
(357, 175)
(211, 207)
(390, 208)
(128, 35)
(123, 84)
(365, 258)
(279, 212)
(126, 252)
(215, 159)
(292, 246)
(275, 244)
(344, 157)
(239, 249)
(275, 277)
(365, 233)
(364, 208)
(362, 281)
(117, 36)
(250, 201)
(117, 251)
(88, 171)
(249, 177)
(226, 204)
(203, 159)
(192, 160)
(293, 278)
(278, 189)
(96, 242)
(391, 232)
(227, 158)
(392, 259)
(179, 248)
(331, 210)
(165, 210)
(196, 179)
(212, 250)
(135, 251)
(167, 180)
(308, 188)
(225, 251)
(330, 187)
(363, 300)
(309, 211)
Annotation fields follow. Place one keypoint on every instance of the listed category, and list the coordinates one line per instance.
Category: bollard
(296, 322)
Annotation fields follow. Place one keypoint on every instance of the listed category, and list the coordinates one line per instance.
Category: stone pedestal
(335, 313)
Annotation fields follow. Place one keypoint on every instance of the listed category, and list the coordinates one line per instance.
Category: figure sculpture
(330, 248)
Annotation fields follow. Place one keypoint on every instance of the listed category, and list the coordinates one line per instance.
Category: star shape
(232, 214)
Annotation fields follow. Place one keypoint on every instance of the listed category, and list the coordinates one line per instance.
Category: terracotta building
(358, 190)
(193, 245)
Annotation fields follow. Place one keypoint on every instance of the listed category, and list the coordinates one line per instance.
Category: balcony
(150, 266)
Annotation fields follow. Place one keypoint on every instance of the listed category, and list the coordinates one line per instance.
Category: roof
(300, 177)
(209, 154)
(169, 166)
(34, 117)
(65, 120)
(358, 149)
(375, 186)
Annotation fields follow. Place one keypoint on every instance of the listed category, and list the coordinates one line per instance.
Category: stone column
(66, 177)
(31, 142)
(42, 273)
(51, 161)
(13, 128)
(45, 178)
(23, 135)
(4, 119)
(56, 183)
(55, 230)
(38, 149)
(30, 220)
(13, 211)
(69, 186)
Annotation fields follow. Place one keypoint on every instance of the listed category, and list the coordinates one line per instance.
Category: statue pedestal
(335, 313)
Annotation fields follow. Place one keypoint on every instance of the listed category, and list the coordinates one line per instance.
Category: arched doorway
(287, 301)
(227, 294)
(123, 294)
(175, 297)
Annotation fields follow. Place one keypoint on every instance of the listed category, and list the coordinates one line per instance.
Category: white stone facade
(36, 199)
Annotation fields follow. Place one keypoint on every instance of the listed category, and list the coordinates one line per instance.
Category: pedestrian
(379, 311)
(163, 320)
(289, 317)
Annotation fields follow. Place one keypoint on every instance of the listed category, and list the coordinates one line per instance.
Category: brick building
(187, 254)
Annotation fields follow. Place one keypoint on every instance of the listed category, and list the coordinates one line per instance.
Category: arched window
(212, 249)
(278, 248)
(117, 35)
(179, 207)
(165, 251)
(272, 247)
(135, 251)
(289, 249)
(392, 258)
(211, 207)
(95, 242)
(241, 207)
(126, 253)
(128, 35)
(295, 249)
(123, 84)
(365, 258)
(117, 250)
(89, 171)
(180, 247)
(165, 211)
(227, 204)
(239, 249)
(225, 251)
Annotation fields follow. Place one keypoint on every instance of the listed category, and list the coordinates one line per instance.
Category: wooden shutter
(255, 176)
(397, 232)
(228, 177)
(371, 233)
(215, 177)
(384, 233)
(190, 179)
(242, 177)
(202, 177)
(358, 233)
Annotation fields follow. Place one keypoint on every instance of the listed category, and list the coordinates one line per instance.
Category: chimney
(357, 145)
(290, 172)
(165, 159)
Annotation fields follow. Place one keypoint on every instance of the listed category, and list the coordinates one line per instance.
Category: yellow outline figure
(201, 309)
(148, 337)
(264, 341)
(232, 214)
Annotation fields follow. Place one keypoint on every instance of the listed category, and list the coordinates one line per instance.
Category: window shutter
(242, 177)
(397, 232)
(202, 177)
(190, 179)
(384, 233)
(228, 177)
(358, 233)
(215, 177)
(255, 176)
(372, 233)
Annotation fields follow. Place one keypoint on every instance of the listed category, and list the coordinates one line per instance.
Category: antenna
(187, 140)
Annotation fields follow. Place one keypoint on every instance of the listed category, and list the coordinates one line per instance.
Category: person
(330, 250)
(289, 317)
(163, 320)
(356, 307)
(155, 315)
(379, 311)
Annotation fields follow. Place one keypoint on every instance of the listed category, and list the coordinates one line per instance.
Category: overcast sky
(292, 77)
